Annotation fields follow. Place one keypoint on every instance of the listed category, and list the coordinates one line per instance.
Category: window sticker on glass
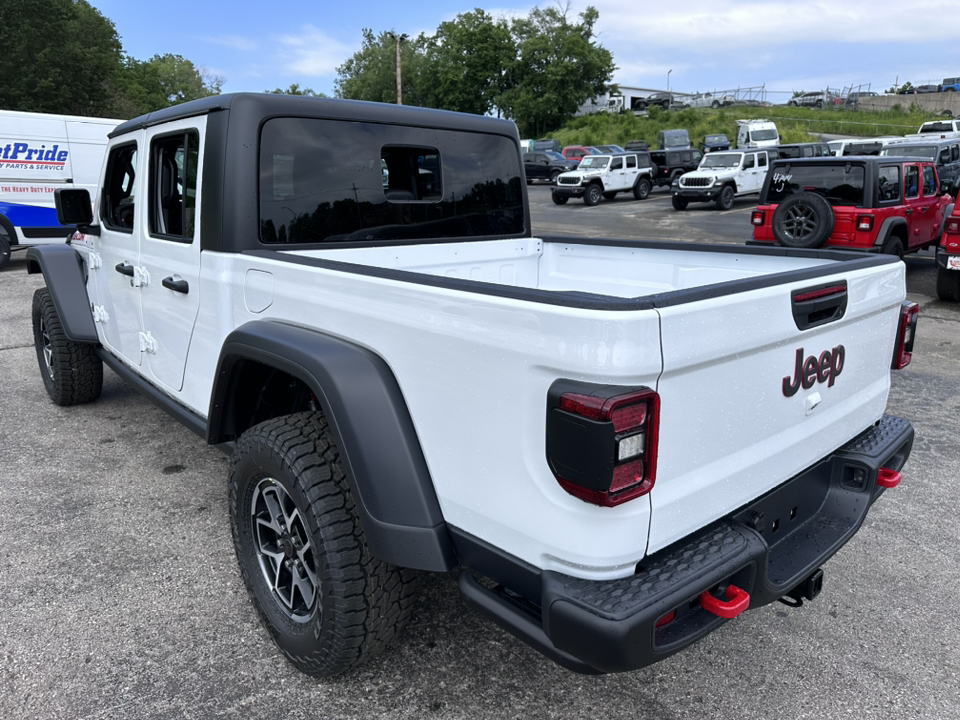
(283, 175)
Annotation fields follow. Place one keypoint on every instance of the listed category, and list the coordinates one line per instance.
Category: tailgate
(729, 428)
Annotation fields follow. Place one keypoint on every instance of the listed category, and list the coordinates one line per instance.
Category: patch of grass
(795, 124)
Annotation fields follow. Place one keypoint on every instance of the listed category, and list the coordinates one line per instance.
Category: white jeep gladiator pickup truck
(621, 445)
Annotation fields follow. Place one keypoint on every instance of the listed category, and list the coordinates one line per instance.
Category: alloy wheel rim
(284, 550)
(800, 222)
(47, 347)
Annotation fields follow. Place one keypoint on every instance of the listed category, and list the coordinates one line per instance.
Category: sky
(695, 45)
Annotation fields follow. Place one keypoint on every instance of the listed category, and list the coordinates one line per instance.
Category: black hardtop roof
(803, 144)
(267, 105)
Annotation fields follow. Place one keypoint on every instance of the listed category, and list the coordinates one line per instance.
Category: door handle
(125, 268)
(180, 286)
(908, 211)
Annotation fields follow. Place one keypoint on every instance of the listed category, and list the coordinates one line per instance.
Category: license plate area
(953, 262)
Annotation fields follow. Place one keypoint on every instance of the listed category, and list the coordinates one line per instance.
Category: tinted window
(905, 150)
(888, 183)
(762, 159)
(913, 181)
(840, 184)
(631, 161)
(748, 162)
(929, 181)
(328, 180)
(120, 189)
(616, 164)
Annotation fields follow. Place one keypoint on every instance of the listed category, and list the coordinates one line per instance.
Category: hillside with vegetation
(795, 124)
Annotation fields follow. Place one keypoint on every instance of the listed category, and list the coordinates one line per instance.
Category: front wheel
(725, 198)
(328, 604)
(679, 203)
(948, 284)
(4, 249)
(559, 199)
(592, 195)
(641, 191)
(609, 195)
(71, 371)
(553, 177)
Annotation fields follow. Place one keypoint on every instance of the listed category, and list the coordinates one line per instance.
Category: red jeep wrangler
(948, 259)
(892, 205)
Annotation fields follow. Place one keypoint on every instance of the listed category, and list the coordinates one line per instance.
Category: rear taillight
(906, 330)
(602, 441)
(953, 226)
(756, 217)
(864, 222)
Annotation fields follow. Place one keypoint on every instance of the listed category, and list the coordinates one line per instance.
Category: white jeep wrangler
(603, 176)
(721, 177)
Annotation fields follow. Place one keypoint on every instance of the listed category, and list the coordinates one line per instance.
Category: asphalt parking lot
(120, 596)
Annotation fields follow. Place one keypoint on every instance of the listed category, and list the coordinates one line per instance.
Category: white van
(38, 154)
(757, 133)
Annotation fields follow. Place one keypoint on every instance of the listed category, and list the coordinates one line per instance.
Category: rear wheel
(715, 104)
(641, 191)
(948, 284)
(559, 199)
(592, 195)
(71, 371)
(724, 200)
(893, 246)
(327, 603)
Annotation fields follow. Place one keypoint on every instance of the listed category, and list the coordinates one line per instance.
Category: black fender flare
(63, 269)
(384, 462)
(886, 229)
(9, 229)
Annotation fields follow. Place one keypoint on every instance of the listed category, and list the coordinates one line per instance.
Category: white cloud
(236, 42)
(313, 53)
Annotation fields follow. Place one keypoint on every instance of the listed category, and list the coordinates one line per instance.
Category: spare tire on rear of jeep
(803, 220)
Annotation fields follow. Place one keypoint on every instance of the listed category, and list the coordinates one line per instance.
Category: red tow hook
(737, 601)
(888, 478)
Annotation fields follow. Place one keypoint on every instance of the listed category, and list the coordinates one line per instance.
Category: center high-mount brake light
(602, 441)
(906, 330)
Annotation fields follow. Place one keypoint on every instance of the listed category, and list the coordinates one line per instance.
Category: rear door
(170, 248)
(918, 205)
(735, 419)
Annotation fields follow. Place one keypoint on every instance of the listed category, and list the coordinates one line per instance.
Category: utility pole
(400, 39)
(668, 85)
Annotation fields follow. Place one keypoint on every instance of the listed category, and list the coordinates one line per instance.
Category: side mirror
(73, 206)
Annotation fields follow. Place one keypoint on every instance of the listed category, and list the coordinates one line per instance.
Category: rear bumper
(942, 256)
(767, 548)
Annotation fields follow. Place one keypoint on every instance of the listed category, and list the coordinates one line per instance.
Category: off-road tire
(893, 246)
(641, 190)
(724, 199)
(359, 603)
(72, 372)
(4, 249)
(948, 284)
(803, 220)
(559, 199)
(592, 195)
(679, 203)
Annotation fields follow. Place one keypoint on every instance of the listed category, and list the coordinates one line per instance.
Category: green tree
(295, 89)
(371, 74)
(62, 56)
(558, 67)
(465, 64)
(907, 86)
(180, 80)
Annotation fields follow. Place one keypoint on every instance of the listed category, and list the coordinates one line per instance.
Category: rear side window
(929, 181)
(840, 184)
(330, 181)
(888, 183)
(173, 185)
(631, 161)
(912, 181)
(761, 159)
(119, 190)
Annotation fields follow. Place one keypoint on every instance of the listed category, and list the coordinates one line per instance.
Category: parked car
(608, 149)
(668, 165)
(713, 143)
(892, 205)
(665, 100)
(637, 145)
(799, 150)
(856, 147)
(854, 98)
(603, 176)
(673, 140)
(577, 152)
(546, 166)
(920, 89)
(951, 84)
(709, 100)
(948, 258)
(812, 99)
(723, 176)
(945, 153)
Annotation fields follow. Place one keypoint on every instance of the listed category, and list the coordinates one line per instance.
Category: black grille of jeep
(568, 180)
(695, 181)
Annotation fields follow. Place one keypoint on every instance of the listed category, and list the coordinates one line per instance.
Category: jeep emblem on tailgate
(813, 370)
